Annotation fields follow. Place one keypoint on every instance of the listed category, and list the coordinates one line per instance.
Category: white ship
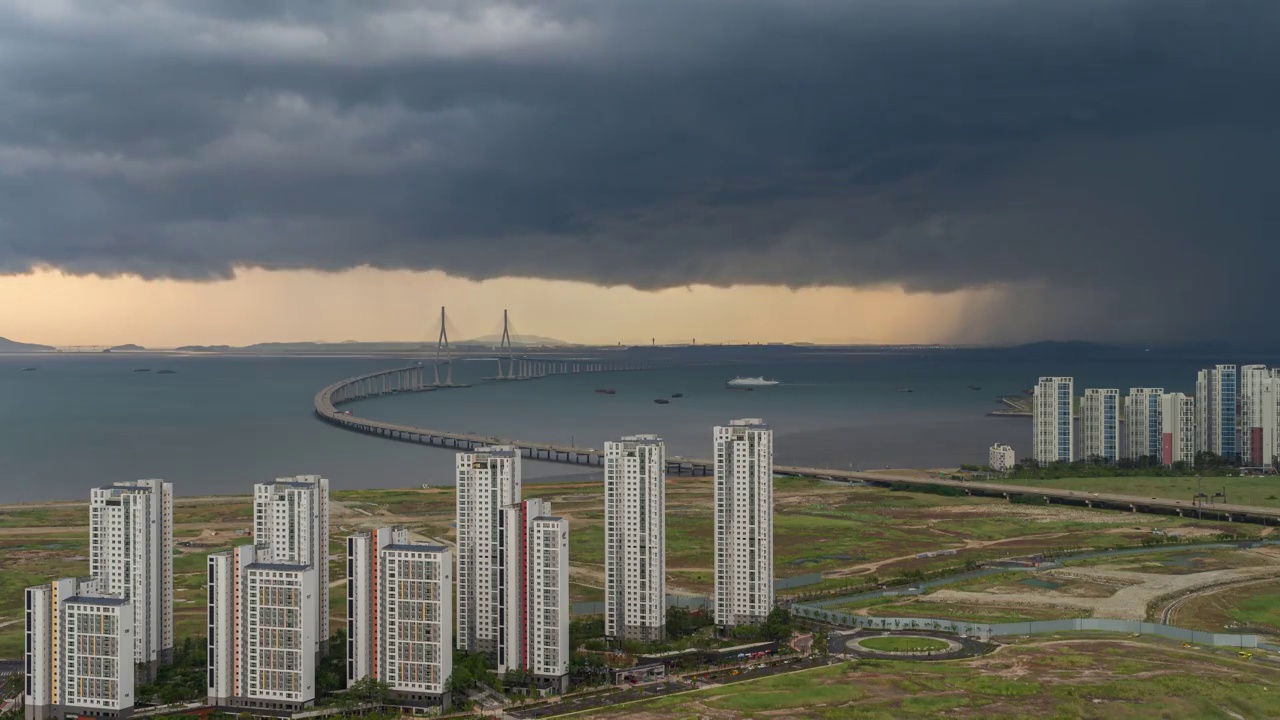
(750, 382)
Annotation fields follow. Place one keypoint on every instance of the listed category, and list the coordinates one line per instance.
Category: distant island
(521, 341)
(12, 346)
(350, 346)
(130, 347)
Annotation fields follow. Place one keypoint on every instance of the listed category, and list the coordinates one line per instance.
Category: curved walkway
(413, 379)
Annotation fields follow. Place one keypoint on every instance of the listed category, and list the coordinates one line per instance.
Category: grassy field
(1099, 679)
(849, 534)
(1251, 606)
(899, 643)
(833, 529)
(921, 606)
(1261, 491)
(1175, 562)
(993, 613)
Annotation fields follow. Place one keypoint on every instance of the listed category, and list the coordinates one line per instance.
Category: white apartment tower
(743, 522)
(1216, 398)
(291, 516)
(131, 557)
(533, 593)
(635, 532)
(1256, 395)
(262, 625)
(1143, 427)
(80, 648)
(1264, 436)
(1100, 424)
(1051, 421)
(1001, 458)
(400, 616)
(547, 578)
(487, 480)
(1178, 429)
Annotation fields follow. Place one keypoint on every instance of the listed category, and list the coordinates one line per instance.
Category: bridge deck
(326, 409)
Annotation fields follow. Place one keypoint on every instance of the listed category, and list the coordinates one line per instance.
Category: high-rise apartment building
(1178, 429)
(80, 647)
(1143, 427)
(1053, 429)
(131, 557)
(1216, 400)
(487, 480)
(1256, 407)
(1001, 458)
(533, 593)
(1100, 425)
(291, 516)
(400, 616)
(743, 522)
(635, 537)
(1264, 435)
(547, 577)
(269, 602)
(261, 634)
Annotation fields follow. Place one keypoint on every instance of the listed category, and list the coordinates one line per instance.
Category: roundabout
(907, 645)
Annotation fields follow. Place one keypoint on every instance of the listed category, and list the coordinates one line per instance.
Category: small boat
(166, 372)
(143, 370)
(663, 401)
(606, 391)
(750, 382)
(677, 395)
(974, 387)
(905, 389)
(28, 369)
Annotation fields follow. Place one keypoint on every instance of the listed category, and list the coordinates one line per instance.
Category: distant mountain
(129, 347)
(205, 348)
(346, 346)
(521, 341)
(12, 346)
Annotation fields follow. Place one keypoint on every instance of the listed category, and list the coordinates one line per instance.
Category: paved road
(691, 681)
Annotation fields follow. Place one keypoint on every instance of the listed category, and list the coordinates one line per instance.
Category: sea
(219, 423)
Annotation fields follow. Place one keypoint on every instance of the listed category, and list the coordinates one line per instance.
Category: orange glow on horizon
(365, 304)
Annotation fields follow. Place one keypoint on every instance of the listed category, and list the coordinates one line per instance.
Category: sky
(957, 171)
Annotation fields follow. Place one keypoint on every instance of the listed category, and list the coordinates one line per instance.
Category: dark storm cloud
(1100, 151)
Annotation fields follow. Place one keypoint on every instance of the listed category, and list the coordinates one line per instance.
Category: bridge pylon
(442, 349)
(505, 346)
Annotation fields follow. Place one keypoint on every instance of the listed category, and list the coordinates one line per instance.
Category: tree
(682, 622)
(367, 691)
(331, 670)
(183, 680)
(777, 625)
(821, 642)
(471, 670)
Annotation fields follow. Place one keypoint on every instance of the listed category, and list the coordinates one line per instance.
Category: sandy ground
(1128, 603)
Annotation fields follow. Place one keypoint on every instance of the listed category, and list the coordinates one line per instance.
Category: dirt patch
(1129, 602)
(1045, 513)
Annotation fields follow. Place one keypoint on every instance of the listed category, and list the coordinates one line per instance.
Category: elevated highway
(412, 379)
